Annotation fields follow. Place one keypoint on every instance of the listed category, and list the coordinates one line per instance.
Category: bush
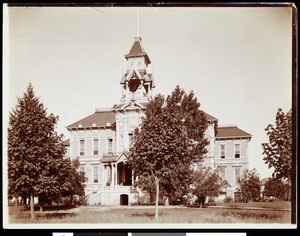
(211, 202)
(228, 200)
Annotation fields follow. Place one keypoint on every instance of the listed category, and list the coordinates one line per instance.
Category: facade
(102, 140)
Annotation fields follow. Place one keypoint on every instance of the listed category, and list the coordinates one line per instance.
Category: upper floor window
(96, 146)
(237, 151)
(222, 150)
(110, 145)
(81, 147)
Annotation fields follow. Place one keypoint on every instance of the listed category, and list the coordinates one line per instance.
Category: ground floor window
(96, 174)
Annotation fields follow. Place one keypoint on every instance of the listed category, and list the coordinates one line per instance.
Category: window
(96, 179)
(81, 168)
(110, 145)
(96, 144)
(237, 173)
(222, 150)
(81, 147)
(237, 150)
(130, 135)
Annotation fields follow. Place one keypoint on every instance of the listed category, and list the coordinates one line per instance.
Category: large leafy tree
(170, 140)
(36, 163)
(250, 185)
(278, 152)
(276, 188)
(207, 183)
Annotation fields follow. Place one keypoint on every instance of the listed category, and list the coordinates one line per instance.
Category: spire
(137, 50)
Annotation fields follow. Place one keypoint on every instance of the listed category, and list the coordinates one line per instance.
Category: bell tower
(137, 86)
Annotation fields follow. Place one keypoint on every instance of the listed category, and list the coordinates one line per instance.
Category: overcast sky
(236, 60)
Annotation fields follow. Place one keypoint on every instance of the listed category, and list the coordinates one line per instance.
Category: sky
(238, 61)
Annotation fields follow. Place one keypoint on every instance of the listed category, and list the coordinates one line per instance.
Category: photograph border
(167, 228)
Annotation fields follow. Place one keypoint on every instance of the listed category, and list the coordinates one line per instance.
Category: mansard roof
(231, 132)
(98, 119)
(137, 50)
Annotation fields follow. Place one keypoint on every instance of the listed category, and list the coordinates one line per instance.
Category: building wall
(90, 160)
(231, 166)
(126, 123)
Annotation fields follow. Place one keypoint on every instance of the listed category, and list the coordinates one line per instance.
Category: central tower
(137, 89)
(136, 83)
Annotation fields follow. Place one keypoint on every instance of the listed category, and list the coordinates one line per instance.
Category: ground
(271, 212)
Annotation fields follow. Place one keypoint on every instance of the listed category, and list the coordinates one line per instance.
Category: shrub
(228, 200)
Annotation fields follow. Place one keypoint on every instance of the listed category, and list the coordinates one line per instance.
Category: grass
(280, 205)
(88, 215)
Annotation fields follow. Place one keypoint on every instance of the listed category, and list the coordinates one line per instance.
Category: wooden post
(157, 198)
(32, 207)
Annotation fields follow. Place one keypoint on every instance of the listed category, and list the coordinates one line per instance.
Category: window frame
(235, 150)
(95, 147)
(96, 180)
(224, 145)
(81, 147)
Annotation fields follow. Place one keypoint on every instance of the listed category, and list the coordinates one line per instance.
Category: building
(102, 140)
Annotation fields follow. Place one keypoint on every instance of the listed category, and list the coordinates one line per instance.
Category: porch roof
(109, 158)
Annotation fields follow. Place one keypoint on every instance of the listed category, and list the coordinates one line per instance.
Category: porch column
(103, 175)
(116, 173)
(112, 174)
(132, 178)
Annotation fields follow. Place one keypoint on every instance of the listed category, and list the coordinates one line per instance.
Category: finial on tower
(137, 22)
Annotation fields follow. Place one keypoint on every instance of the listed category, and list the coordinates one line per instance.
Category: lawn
(130, 215)
(268, 205)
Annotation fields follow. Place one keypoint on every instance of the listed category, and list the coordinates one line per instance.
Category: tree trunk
(16, 201)
(156, 199)
(32, 207)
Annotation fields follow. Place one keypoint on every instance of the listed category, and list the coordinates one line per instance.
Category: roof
(108, 158)
(209, 117)
(231, 132)
(98, 119)
(137, 50)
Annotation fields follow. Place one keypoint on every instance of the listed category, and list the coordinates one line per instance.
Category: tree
(278, 152)
(170, 140)
(250, 185)
(36, 163)
(207, 183)
(276, 188)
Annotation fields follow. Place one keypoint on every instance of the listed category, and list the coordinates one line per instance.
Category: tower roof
(137, 50)
(231, 132)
